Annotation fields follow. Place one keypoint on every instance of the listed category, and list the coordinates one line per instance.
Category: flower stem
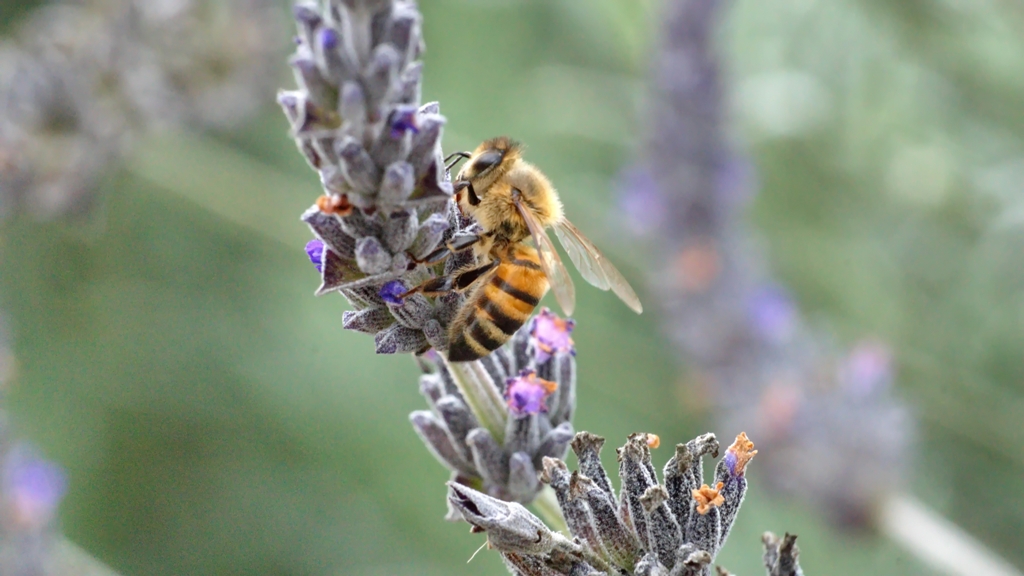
(482, 396)
(68, 558)
(937, 542)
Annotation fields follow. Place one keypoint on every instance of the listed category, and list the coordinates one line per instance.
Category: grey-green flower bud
(510, 527)
(781, 555)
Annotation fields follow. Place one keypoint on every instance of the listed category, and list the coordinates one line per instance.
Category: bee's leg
(459, 185)
(458, 243)
(474, 200)
(466, 278)
(458, 281)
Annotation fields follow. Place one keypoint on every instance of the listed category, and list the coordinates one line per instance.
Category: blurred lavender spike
(31, 490)
(357, 119)
(82, 80)
(493, 422)
(645, 529)
(755, 358)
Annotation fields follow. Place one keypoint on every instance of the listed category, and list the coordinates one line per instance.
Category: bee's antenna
(457, 156)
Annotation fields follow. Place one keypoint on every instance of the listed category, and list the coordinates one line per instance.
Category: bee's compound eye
(486, 160)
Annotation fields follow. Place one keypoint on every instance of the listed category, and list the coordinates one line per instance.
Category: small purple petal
(403, 120)
(731, 460)
(32, 487)
(315, 251)
(738, 455)
(328, 38)
(391, 291)
(551, 335)
(526, 393)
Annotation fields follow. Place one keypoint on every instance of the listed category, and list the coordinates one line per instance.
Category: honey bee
(512, 201)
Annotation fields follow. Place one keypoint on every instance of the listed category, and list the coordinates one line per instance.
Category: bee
(512, 201)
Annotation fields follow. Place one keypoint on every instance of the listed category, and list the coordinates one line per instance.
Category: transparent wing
(593, 265)
(583, 254)
(550, 262)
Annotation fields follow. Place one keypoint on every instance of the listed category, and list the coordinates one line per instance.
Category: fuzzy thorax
(494, 172)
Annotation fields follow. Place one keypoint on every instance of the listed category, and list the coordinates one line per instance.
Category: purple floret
(392, 291)
(403, 120)
(551, 335)
(526, 393)
(315, 251)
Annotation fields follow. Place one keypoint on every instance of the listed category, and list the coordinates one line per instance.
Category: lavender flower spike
(356, 116)
(493, 422)
(648, 528)
(386, 209)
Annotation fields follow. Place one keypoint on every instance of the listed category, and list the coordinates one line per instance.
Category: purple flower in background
(315, 251)
(391, 292)
(866, 369)
(526, 393)
(772, 313)
(74, 101)
(640, 202)
(32, 487)
(551, 335)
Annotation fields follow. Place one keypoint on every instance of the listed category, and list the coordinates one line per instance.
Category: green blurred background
(215, 419)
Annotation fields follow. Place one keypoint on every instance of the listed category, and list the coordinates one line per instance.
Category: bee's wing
(550, 262)
(593, 265)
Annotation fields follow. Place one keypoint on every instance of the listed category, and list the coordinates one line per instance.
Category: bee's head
(488, 162)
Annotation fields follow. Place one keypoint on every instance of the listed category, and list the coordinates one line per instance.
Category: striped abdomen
(498, 306)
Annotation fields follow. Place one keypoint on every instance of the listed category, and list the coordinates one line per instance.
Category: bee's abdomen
(497, 309)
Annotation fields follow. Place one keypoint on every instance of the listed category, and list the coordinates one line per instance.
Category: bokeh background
(214, 418)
